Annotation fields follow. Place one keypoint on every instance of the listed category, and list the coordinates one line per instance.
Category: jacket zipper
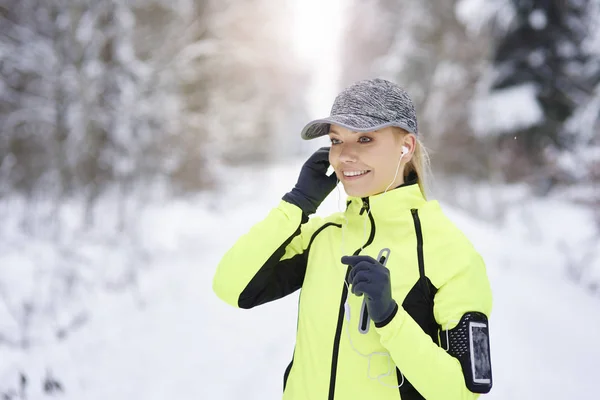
(419, 233)
(338, 331)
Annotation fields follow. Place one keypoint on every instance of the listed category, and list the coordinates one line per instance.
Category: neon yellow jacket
(436, 275)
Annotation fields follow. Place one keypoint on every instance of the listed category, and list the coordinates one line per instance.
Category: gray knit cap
(367, 106)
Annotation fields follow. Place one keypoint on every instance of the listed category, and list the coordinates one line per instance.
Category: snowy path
(175, 339)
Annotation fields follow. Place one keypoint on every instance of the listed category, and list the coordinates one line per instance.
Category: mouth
(354, 175)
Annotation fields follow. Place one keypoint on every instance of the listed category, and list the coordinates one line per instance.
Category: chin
(356, 192)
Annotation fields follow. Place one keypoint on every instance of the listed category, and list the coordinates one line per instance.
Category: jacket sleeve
(268, 262)
(430, 369)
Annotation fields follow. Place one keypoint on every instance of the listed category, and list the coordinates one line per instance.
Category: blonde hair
(419, 163)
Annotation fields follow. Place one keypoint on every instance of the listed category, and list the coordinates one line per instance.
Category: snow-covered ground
(169, 337)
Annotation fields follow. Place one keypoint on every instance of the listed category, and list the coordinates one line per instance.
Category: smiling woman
(405, 315)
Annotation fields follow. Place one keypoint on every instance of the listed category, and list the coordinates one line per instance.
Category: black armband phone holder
(469, 343)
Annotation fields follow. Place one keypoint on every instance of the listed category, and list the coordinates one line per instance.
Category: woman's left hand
(372, 279)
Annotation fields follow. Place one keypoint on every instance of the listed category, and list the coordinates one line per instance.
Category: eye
(335, 141)
(366, 139)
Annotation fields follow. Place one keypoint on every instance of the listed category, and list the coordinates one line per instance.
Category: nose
(347, 154)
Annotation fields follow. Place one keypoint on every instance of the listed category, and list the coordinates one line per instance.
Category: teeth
(354, 173)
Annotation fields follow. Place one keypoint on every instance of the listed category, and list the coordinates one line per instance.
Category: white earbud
(404, 152)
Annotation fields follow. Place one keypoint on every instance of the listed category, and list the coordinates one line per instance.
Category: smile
(355, 174)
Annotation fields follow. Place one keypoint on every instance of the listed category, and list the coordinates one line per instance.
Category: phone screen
(480, 355)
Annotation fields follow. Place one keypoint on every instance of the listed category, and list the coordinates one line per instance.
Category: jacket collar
(384, 205)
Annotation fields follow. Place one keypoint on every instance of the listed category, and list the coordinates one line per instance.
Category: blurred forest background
(107, 105)
(124, 102)
(98, 95)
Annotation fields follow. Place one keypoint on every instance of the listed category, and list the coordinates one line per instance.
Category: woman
(394, 298)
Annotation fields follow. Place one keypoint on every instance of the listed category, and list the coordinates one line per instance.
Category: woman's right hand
(313, 184)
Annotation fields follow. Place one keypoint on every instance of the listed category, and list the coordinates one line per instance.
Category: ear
(409, 142)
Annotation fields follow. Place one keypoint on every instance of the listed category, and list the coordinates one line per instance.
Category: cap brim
(355, 123)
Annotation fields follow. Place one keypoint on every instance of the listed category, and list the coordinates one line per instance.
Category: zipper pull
(364, 207)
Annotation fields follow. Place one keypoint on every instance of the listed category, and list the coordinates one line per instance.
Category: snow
(537, 58)
(477, 14)
(507, 110)
(538, 19)
(168, 336)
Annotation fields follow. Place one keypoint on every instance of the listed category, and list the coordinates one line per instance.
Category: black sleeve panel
(275, 279)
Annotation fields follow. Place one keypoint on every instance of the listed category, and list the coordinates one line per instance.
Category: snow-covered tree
(101, 99)
(116, 91)
(543, 54)
(255, 81)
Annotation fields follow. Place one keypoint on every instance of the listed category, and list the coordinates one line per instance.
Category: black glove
(313, 183)
(369, 277)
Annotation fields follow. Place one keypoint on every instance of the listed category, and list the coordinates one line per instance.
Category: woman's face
(366, 163)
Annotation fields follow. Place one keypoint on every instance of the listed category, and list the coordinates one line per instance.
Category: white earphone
(383, 257)
(404, 152)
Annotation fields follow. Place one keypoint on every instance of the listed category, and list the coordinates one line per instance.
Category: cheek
(386, 162)
(333, 157)
(380, 157)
